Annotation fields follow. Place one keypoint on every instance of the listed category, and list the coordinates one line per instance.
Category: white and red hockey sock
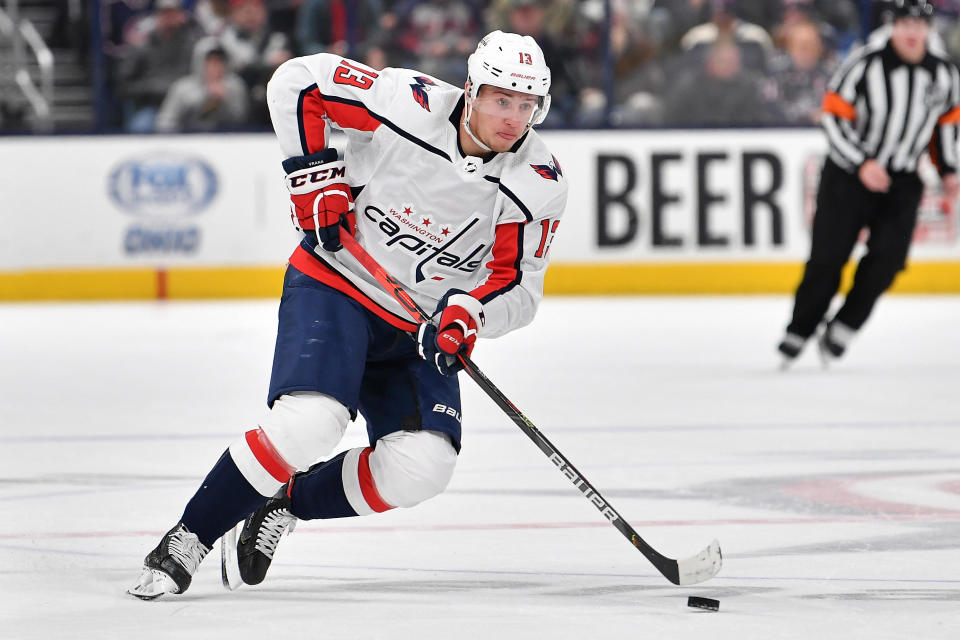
(341, 487)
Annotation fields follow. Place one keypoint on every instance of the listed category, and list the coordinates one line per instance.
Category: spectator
(213, 16)
(637, 73)
(119, 22)
(356, 30)
(800, 73)
(254, 52)
(639, 77)
(754, 42)
(837, 20)
(719, 93)
(558, 15)
(435, 36)
(149, 70)
(209, 99)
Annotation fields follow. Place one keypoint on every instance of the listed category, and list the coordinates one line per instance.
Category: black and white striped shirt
(878, 106)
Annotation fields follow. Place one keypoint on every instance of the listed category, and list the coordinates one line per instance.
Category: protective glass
(519, 107)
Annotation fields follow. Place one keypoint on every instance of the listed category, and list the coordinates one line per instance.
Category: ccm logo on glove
(320, 198)
(460, 316)
(322, 175)
(454, 338)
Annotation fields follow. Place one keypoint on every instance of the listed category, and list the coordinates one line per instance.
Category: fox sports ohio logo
(163, 184)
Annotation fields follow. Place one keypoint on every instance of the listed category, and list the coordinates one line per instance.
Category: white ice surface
(835, 494)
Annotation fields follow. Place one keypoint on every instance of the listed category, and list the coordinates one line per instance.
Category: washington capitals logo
(420, 91)
(549, 171)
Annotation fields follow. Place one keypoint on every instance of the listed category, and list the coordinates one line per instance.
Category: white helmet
(511, 61)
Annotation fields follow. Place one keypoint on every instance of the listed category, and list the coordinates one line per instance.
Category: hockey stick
(698, 568)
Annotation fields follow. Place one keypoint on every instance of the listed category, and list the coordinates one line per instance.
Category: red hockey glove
(320, 197)
(460, 316)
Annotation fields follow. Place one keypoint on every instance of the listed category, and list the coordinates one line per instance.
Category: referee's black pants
(844, 208)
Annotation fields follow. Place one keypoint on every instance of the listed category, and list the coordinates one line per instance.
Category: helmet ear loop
(468, 108)
(468, 97)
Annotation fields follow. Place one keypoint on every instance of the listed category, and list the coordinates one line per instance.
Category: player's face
(500, 116)
(909, 38)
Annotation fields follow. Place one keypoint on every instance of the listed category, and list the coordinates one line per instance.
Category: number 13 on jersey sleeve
(353, 75)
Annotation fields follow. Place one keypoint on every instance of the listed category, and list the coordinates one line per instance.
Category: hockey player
(454, 194)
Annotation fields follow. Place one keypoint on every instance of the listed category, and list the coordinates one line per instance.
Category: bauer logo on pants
(450, 411)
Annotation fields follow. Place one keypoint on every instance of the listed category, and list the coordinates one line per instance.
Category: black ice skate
(169, 568)
(833, 342)
(790, 347)
(261, 533)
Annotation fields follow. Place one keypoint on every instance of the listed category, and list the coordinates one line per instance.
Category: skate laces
(186, 548)
(272, 527)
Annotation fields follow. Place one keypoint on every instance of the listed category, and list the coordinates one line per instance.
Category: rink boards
(201, 216)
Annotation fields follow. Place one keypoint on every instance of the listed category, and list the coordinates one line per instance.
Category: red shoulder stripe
(347, 115)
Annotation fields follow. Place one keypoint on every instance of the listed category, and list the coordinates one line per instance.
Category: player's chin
(504, 141)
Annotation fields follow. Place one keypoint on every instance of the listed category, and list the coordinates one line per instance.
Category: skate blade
(153, 584)
(825, 355)
(229, 565)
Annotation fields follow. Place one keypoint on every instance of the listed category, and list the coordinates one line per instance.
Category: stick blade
(700, 567)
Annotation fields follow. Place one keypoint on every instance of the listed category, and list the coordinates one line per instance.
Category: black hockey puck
(703, 603)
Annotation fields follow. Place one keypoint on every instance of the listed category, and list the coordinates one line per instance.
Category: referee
(890, 101)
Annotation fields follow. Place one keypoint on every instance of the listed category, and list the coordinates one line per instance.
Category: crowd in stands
(200, 65)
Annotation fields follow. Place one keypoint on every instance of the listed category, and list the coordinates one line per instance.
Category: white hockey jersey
(431, 216)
